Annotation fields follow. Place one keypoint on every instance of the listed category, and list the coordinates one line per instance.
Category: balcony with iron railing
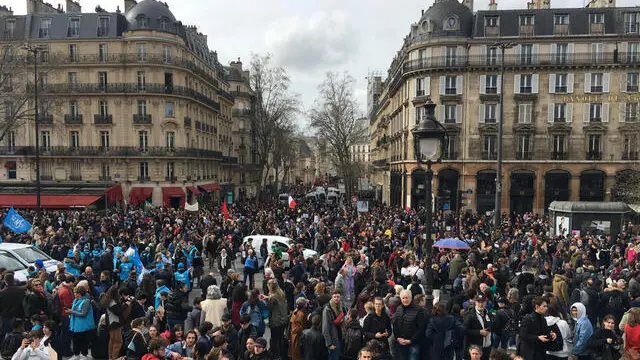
(114, 151)
(46, 119)
(489, 155)
(558, 155)
(142, 119)
(535, 60)
(104, 178)
(126, 88)
(75, 177)
(242, 112)
(99, 119)
(594, 155)
(449, 155)
(171, 179)
(225, 95)
(630, 155)
(73, 119)
(144, 179)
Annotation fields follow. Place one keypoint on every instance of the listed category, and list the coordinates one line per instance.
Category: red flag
(292, 203)
(225, 211)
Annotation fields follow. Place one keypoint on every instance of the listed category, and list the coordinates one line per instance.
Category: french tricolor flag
(292, 203)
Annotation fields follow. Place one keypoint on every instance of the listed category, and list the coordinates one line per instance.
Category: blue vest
(251, 263)
(158, 291)
(81, 324)
(125, 268)
(71, 270)
(96, 253)
(183, 278)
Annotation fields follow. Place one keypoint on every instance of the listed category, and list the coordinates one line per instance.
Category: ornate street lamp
(428, 136)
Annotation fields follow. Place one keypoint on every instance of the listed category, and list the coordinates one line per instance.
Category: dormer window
(74, 27)
(492, 21)
(10, 28)
(164, 24)
(103, 26)
(143, 21)
(45, 28)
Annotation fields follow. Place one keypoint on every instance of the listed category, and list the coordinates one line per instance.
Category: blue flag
(16, 223)
(136, 261)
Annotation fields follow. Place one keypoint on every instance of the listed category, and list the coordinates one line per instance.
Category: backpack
(56, 306)
(615, 303)
(10, 344)
(352, 341)
(511, 327)
(558, 343)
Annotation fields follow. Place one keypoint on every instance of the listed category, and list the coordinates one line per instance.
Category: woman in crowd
(81, 322)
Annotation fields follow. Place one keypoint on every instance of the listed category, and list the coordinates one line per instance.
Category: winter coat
(442, 332)
(352, 340)
(278, 312)
(601, 349)
(409, 323)
(374, 324)
(331, 328)
(177, 306)
(531, 348)
(565, 332)
(455, 266)
(561, 288)
(313, 345)
(212, 311)
(473, 326)
(582, 332)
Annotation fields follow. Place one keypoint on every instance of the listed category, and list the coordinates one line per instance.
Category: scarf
(223, 260)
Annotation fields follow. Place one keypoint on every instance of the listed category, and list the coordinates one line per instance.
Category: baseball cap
(39, 263)
(261, 342)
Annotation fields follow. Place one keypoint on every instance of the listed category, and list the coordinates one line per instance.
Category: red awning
(48, 201)
(172, 192)
(194, 190)
(114, 194)
(138, 195)
(210, 187)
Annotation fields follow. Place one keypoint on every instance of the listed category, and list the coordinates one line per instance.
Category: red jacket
(65, 294)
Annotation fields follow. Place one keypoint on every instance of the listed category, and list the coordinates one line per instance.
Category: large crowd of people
(159, 283)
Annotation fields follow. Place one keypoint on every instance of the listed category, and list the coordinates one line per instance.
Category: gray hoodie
(565, 332)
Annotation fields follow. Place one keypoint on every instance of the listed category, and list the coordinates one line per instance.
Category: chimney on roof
(129, 4)
(5, 11)
(73, 7)
(40, 7)
(236, 65)
(493, 5)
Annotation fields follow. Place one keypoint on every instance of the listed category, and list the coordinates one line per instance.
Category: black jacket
(473, 326)
(437, 335)
(139, 345)
(501, 319)
(352, 340)
(178, 306)
(374, 324)
(313, 346)
(409, 323)
(9, 307)
(531, 348)
(601, 349)
(36, 304)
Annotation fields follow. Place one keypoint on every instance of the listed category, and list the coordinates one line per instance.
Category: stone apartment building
(139, 107)
(571, 110)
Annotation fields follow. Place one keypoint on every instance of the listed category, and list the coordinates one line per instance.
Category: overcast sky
(307, 37)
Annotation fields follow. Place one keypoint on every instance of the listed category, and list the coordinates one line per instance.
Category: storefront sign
(613, 98)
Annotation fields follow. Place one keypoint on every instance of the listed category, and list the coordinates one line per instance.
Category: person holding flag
(182, 276)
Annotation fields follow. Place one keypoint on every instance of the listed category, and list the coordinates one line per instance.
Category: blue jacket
(125, 268)
(158, 291)
(183, 277)
(583, 331)
(258, 313)
(251, 262)
(81, 318)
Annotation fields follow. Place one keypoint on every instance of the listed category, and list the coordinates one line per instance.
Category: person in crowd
(213, 307)
(478, 324)
(32, 347)
(112, 303)
(582, 332)
(157, 349)
(278, 319)
(605, 344)
(631, 329)
(353, 336)
(250, 268)
(81, 322)
(183, 349)
(333, 316)
(312, 341)
(257, 311)
(535, 335)
(557, 324)
(137, 346)
(408, 327)
(442, 330)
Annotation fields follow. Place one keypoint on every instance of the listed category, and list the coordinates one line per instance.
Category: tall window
(559, 146)
(421, 87)
(526, 54)
(631, 112)
(142, 52)
(76, 171)
(170, 140)
(168, 109)
(73, 53)
(102, 80)
(74, 109)
(142, 107)
(10, 28)
(74, 139)
(527, 20)
(45, 28)
(11, 140)
(597, 18)
(523, 150)
(450, 147)
(632, 81)
(103, 26)
(104, 108)
(45, 140)
(142, 80)
(597, 52)
(451, 55)
(489, 147)
(105, 171)
(594, 144)
(561, 83)
(631, 22)
(632, 52)
(74, 27)
(73, 78)
(561, 19)
(492, 55)
(524, 113)
(104, 139)
(143, 140)
(526, 84)
(166, 54)
(595, 112)
(561, 55)
(492, 84)
(596, 82)
(102, 52)
(490, 111)
(144, 171)
(171, 170)
(559, 112)
(450, 114)
(450, 85)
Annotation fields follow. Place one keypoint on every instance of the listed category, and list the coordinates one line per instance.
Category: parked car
(281, 242)
(18, 257)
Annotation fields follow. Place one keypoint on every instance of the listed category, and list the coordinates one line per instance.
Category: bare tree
(627, 188)
(275, 107)
(335, 120)
(17, 105)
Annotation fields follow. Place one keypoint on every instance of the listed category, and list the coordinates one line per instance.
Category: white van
(18, 257)
(281, 242)
(283, 198)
